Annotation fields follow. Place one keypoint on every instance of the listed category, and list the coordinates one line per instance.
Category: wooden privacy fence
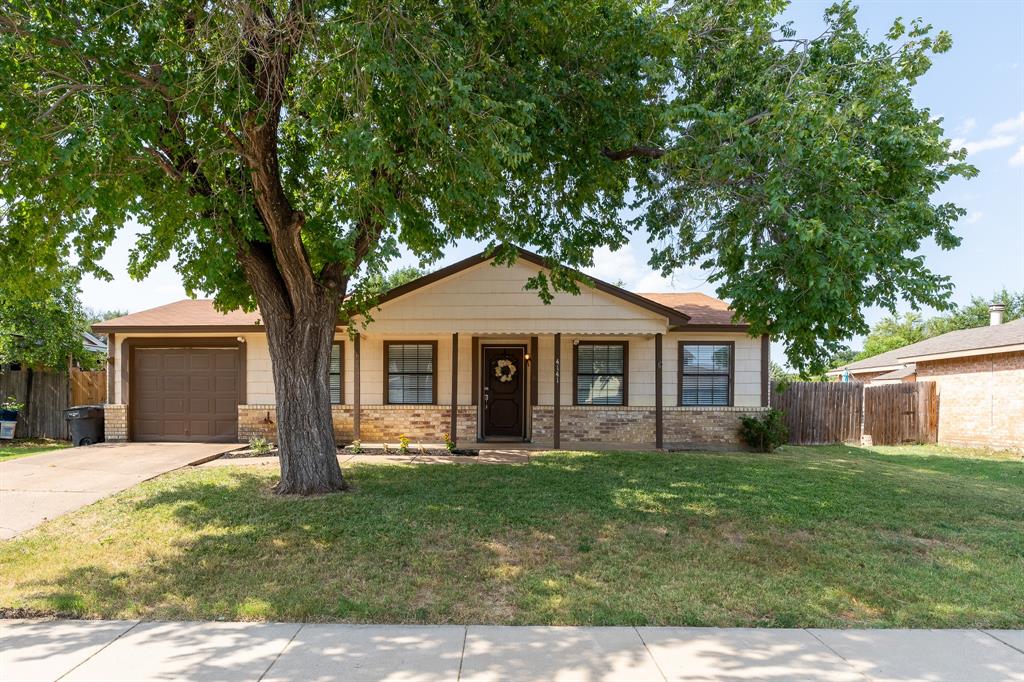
(820, 413)
(901, 413)
(46, 395)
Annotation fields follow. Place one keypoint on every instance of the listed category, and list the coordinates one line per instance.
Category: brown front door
(504, 392)
(185, 394)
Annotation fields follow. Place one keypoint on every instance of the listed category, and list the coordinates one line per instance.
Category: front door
(504, 392)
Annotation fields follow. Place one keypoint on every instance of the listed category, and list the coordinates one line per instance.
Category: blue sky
(977, 88)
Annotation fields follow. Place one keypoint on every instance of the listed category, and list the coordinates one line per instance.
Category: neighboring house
(979, 374)
(90, 342)
(606, 366)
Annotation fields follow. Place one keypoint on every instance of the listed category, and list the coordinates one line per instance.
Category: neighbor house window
(411, 367)
(336, 373)
(705, 373)
(601, 373)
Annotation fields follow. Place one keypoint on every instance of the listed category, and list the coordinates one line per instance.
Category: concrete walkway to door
(44, 486)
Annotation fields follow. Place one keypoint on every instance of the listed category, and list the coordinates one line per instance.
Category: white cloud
(1011, 126)
(993, 142)
(974, 217)
(967, 126)
(1018, 158)
(1003, 134)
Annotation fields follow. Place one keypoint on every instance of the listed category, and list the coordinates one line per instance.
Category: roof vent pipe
(995, 313)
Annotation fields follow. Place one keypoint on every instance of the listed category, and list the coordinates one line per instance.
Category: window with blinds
(334, 375)
(410, 373)
(601, 373)
(705, 374)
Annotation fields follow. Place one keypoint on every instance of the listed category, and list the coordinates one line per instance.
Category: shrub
(357, 446)
(449, 444)
(259, 445)
(11, 404)
(764, 433)
(403, 444)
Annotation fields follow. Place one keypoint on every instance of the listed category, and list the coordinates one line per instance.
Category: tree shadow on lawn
(581, 538)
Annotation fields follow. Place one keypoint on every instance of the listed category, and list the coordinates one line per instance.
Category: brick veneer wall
(981, 399)
(115, 423)
(716, 427)
(378, 423)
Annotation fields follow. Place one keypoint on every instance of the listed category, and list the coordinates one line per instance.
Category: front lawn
(13, 449)
(836, 536)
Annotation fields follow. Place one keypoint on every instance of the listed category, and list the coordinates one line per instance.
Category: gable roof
(990, 338)
(673, 315)
(182, 316)
(683, 311)
(701, 308)
(901, 373)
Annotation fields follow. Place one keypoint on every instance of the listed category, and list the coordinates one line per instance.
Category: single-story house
(979, 377)
(605, 366)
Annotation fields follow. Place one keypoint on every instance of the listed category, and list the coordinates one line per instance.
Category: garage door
(185, 394)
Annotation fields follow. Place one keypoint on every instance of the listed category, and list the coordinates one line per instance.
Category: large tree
(282, 151)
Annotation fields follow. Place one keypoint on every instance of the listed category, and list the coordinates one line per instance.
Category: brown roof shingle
(701, 308)
(181, 314)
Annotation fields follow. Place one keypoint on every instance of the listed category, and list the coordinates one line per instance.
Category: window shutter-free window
(705, 374)
(410, 379)
(601, 373)
(334, 375)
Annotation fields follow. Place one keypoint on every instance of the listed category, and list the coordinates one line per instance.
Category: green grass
(829, 537)
(13, 449)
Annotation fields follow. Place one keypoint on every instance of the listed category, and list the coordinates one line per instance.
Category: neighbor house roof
(694, 311)
(995, 338)
(901, 373)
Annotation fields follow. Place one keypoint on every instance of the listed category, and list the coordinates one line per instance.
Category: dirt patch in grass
(820, 537)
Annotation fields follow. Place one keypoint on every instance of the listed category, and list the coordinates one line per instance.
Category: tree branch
(638, 151)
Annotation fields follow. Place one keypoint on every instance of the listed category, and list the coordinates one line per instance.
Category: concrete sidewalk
(133, 650)
(45, 486)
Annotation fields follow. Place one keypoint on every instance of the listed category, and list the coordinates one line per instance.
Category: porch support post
(765, 368)
(455, 388)
(558, 392)
(659, 403)
(110, 368)
(356, 384)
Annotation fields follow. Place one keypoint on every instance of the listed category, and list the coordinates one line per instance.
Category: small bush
(259, 445)
(403, 444)
(357, 446)
(764, 433)
(449, 444)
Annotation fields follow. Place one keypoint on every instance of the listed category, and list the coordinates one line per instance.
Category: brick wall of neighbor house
(378, 423)
(115, 423)
(981, 399)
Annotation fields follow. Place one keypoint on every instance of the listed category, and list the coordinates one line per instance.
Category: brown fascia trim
(710, 328)
(675, 317)
(180, 329)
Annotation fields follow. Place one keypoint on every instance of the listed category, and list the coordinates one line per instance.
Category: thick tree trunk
(300, 353)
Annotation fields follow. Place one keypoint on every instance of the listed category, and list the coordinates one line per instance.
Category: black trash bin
(85, 424)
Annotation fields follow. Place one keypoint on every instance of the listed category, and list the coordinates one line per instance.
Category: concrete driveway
(40, 487)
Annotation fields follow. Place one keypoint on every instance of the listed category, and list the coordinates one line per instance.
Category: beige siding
(491, 299)
(747, 385)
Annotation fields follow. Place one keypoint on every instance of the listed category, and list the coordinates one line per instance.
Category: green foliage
(11, 404)
(357, 446)
(891, 333)
(449, 444)
(294, 155)
(259, 445)
(43, 328)
(764, 433)
(403, 444)
(380, 284)
(96, 316)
